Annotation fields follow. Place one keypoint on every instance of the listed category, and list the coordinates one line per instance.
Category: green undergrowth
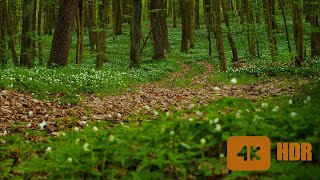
(262, 73)
(184, 144)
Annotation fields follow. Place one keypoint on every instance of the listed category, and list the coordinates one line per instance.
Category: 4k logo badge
(249, 153)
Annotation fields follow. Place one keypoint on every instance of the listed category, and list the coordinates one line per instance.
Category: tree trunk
(250, 28)
(101, 34)
(3, 58)
(298, 32)
(281, 4)
(40, 53)
(135, 34)
(192, 22)
(219, 41)
(28, 34)
(117, 18)
(62, 36)
(225, 8)
(159, 33)
(315, 26)
(10, 32)
(197, 14)
(80, 25)
(174, 13)
(185, 24)
(269, 27)
(92, 24)
(208, 22)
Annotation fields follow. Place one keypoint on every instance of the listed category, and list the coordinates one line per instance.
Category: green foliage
(179, 145)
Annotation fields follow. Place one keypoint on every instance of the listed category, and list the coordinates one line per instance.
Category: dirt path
(28, 112)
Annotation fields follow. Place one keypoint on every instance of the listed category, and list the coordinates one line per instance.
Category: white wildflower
(83, 123)
(119, 115)
(276, 109)
(76, 129)
(216, 88)
(218, 128)
(147, 107)
(191, 106)
(46, 116)
(156, 113)
(290, 101)
(30, 113)
(70, 160)
(234, 81)
(85, 147)
(264, 105)
(48, 149)
(308, 98)
(238, 114)
(109, 116)
(95, 129)
(305, 101)
(216, 120)
(221, 155)
(77, 141)
(111, 138)
(190, 119)
(203, 141)
(42, 125)
(167, 113)
(28, 125)
(293, 114)
(171, 133)
(199, 113)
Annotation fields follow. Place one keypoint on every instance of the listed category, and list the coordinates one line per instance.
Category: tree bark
(185, 25)
(80, 25)
(156, 14)
(225, 8)
(135, 34)
(281, 4)
(297, 10)
(117, 18)
(40, 53)
(174, 13)
(3, 58)
(192, 22)
(250, 28)
(315, 26)
(62, 36)
(197, 14)
(269, 28)
(208, 22)
(219, 41)
(28, 34)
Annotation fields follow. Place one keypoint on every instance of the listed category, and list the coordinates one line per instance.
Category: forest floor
(177, 91)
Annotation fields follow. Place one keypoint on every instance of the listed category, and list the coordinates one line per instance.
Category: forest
(154, 89)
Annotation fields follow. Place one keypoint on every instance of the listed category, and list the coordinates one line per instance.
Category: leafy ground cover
(190, 143)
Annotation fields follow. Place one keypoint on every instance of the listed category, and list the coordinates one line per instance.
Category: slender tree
(117, 18)
(197, 14)
(156, 14)
(225, 7)
(208, 22)
(219, 41)
(315, 26)
(174, 13)
(91, 19)
(3, 58)
(62, 36)
(184, 8)
(10, 32)
(27, 54)
(297, 10)
(281, 4)
(80, 25)
(39, 30)
(269, 26)
(135, 34)
(192, 23)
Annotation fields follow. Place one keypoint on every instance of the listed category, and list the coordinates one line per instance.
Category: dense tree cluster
(23, 22)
